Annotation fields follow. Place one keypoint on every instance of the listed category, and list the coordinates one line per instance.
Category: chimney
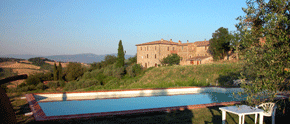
(170, 40)
(161, 39)
(187, 41)
(179, 42)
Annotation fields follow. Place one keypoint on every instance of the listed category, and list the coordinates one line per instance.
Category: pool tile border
(137, 89)
(39, 114)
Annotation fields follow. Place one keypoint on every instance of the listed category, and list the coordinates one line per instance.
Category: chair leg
(273, 119)
(256, 117)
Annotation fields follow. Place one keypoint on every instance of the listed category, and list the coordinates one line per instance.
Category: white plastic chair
(269, 110)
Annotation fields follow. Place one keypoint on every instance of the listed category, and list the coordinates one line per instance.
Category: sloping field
(21, 68)
(17, 65)
(175, 76)
(57, 63)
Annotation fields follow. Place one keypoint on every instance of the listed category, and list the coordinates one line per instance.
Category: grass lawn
(211, 115)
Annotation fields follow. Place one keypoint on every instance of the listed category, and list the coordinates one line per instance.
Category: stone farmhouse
(151, 53)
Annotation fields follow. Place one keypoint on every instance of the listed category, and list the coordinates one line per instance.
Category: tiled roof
(159, 42)
(197, 43)
(201, 43)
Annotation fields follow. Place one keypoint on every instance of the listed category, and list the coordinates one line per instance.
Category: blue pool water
(108, 105)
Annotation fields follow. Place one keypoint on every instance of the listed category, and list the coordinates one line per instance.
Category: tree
(59, 69)
(132, 60)
(267, 59)
(110, 59)
(37, 61)
(172, 59)
(220, 43)
(73, 71)
(55, 72)
(121, 55)
(236, 43)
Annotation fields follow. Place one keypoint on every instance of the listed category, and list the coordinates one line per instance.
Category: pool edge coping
(39, 114)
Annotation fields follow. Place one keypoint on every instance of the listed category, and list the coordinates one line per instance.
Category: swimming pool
(103, 103)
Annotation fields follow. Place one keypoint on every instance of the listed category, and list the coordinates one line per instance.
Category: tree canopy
(265, 30)
(121, 56)
(220, 43)
(172, 59)
(73, 71)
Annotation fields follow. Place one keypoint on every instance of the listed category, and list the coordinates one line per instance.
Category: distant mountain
(83, 58)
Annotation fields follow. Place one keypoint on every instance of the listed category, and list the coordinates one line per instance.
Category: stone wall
(150, 55)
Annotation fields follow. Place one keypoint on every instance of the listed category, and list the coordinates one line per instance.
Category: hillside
(82, 58)
(217, 74)
(12, 67)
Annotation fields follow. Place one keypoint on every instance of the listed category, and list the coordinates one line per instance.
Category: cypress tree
(59, 68)
(120, 57)
(55, 71)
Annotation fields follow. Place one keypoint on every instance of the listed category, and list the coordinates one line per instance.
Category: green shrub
(41, 86)
(53, 84)
(22, 85)
(134, 70)
(6, 72)
(108, 71)
(26, 88)
(61, 83)
(87, 75)
(119, 72)
(33, 80)
(74, 71)
(4, 87)
(101, 78)
(70, 86)
(73, 85)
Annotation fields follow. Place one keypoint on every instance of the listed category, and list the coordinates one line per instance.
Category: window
(147, 48)
(167, 48)
(147, 55)
(155, 56)
(173, 48)
(141, 48)
(155, 47)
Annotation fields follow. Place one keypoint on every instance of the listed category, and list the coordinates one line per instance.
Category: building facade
(150, 54)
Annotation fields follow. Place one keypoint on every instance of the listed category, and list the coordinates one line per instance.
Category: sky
(63, 27)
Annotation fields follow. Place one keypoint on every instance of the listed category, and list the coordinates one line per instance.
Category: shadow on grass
(282, 115)
(227, 79)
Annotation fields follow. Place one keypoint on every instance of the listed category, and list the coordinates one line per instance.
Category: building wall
(202, 51)
(151, 55)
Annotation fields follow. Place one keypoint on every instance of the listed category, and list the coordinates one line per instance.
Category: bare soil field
(16, 65)
(57, 63)
(21, 68)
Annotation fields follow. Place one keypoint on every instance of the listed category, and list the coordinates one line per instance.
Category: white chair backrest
(269, 108)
